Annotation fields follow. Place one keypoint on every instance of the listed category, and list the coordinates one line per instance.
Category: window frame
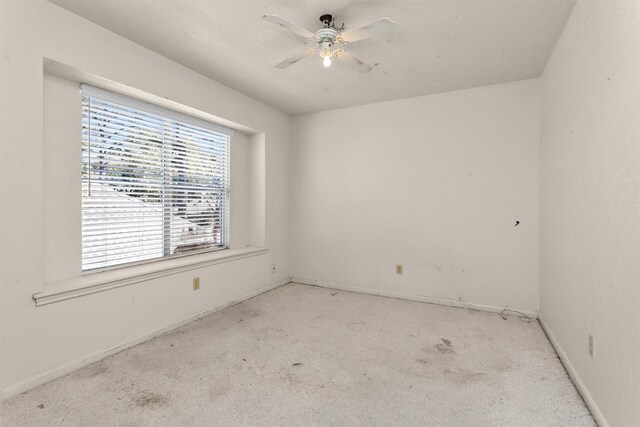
(172, 116)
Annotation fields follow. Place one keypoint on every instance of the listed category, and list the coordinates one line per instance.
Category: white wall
(435, 183)
(590, 203)
(36, 341)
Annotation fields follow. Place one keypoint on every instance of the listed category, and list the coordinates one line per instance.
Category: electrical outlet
(196, 283)
(591, 346)
(398, 268)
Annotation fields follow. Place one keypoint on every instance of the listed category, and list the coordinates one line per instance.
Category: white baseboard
(411, 297)
(80, 363)
(591, 404)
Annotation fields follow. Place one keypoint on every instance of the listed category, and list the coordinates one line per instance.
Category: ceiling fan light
(326, 61)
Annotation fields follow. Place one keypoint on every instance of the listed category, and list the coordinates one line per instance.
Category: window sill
(61, 290)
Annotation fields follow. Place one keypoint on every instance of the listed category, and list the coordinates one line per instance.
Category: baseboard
(411, 297)
(80, 363)
(573, 374)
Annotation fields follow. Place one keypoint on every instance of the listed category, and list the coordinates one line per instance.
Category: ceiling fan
(331, 40)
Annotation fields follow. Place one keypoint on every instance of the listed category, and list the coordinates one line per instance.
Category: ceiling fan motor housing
(326, 34)
(326, 37)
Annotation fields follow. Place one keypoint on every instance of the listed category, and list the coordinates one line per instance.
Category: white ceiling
(439, 46)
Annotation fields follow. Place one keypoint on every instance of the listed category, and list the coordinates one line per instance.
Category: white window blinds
(155, 183)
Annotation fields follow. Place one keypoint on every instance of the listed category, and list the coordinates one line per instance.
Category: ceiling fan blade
(295, 58)
(275, 19)
(352, 61)
(381, 26)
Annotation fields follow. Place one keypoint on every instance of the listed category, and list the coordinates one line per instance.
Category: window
(155, 182)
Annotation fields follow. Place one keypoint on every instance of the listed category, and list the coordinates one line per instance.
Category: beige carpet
(301, 355)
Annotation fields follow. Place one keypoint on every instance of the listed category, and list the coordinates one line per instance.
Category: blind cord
(89, 151)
